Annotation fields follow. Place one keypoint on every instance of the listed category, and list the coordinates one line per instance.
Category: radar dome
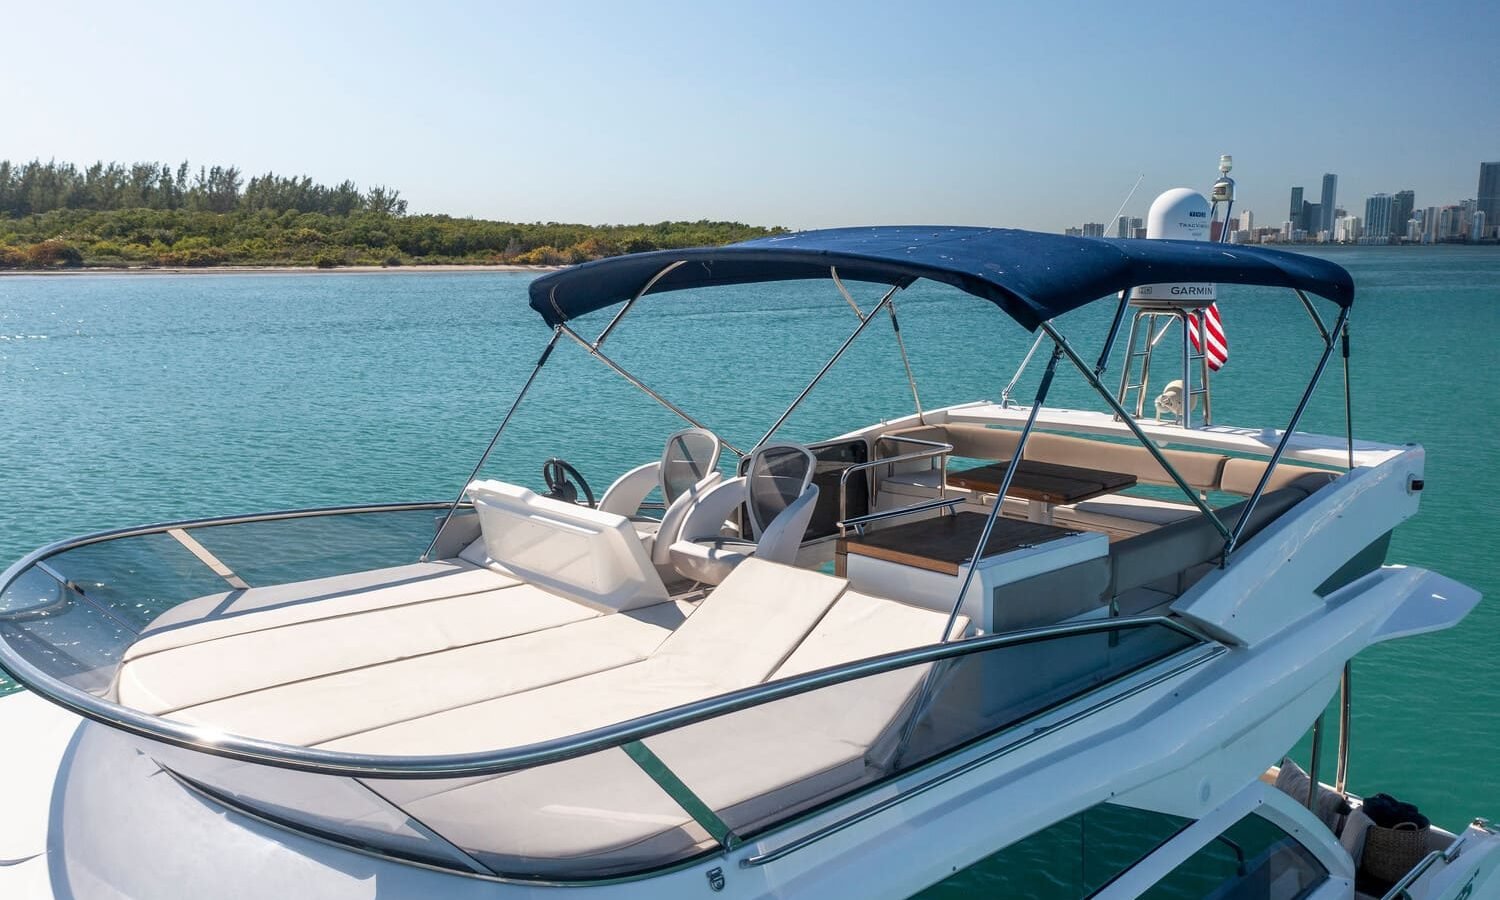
(1181, 214)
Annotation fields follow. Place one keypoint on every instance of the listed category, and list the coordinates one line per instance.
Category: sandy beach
(274, 270)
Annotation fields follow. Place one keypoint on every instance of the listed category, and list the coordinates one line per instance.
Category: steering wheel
(564, 482)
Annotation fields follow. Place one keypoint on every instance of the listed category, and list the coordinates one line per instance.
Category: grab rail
(858, 521)
(940, 451)
(1399, 890)
(490, 762)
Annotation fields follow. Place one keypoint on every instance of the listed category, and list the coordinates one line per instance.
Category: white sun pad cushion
(323, 709)
(736, 638)
(316, 598)
(205, 662)
(750, 766)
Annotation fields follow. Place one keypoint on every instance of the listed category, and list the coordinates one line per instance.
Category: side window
(1071, 858)
(1252, 860)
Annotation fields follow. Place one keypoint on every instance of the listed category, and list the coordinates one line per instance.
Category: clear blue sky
(807, 114)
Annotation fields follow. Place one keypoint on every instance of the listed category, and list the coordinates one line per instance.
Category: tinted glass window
(1072, 858)
(1253, 860)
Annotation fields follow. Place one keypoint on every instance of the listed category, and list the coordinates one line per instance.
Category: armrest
(625, 496)
(707, 516)
(783, 537)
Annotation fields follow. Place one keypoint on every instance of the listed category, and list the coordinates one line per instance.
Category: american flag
(1218, 345)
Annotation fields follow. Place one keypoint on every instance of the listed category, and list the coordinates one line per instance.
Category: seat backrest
(778, 475)
(691, 455)
(1199, 469)
(587, 555)
(1186, 543)
(1242, 475)
(969, 441)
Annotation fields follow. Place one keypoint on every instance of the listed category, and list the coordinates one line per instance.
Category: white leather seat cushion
(1109, 510)
(323, 709)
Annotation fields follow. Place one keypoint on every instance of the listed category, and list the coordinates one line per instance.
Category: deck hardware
(716, 879)
(1414, 485)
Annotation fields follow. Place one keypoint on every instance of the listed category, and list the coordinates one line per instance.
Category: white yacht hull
(88, 815)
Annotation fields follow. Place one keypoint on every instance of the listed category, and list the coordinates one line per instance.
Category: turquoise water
(138, 398)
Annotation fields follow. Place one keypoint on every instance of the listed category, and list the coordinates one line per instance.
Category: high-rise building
(1489, 193)
(1402, 206)
(1378, 211)
(1122, 227)
(1295, 213)
(1327, 204)
(1477, 228)
(1093, 229)
(1430, 224)
(1312, 216)
(1073, 232)
(1247, 220)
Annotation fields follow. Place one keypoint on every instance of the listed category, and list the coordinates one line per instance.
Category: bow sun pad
(1032, 276)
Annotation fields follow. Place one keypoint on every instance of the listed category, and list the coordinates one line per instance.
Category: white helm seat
(778, 495)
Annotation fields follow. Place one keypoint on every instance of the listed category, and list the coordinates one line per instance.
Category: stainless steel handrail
(944, 503)
(940, 451)
(492, 762)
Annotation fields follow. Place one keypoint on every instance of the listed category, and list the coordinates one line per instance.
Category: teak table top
(1043, 482)
(944, 543)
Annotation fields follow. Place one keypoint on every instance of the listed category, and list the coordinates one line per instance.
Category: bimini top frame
(1034, 277)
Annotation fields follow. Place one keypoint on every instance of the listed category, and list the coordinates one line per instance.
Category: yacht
(1076, 643)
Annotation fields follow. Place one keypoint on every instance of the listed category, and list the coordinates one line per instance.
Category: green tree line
(153, 214)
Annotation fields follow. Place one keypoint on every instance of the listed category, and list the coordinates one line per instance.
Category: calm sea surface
(131, 399)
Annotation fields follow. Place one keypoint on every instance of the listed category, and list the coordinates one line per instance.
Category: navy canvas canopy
(1030, 275)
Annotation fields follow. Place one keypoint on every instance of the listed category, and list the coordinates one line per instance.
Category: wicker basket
(1391, 852)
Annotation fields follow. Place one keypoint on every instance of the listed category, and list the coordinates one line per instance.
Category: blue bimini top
(1032, 276)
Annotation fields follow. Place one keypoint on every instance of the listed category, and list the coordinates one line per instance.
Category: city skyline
(1392, 217)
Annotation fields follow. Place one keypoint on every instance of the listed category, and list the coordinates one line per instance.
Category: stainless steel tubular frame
(651, 283)
(863, 324)
(1010, 473)
(1114, 332)
(1346, 702)
(916, 399)
(1286, 437)
(494, 762)
(1020, 370)
(940, 451)
(858, 522)
(1135, 428)
(1317, 758)
(598, 354)
(483, 457)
